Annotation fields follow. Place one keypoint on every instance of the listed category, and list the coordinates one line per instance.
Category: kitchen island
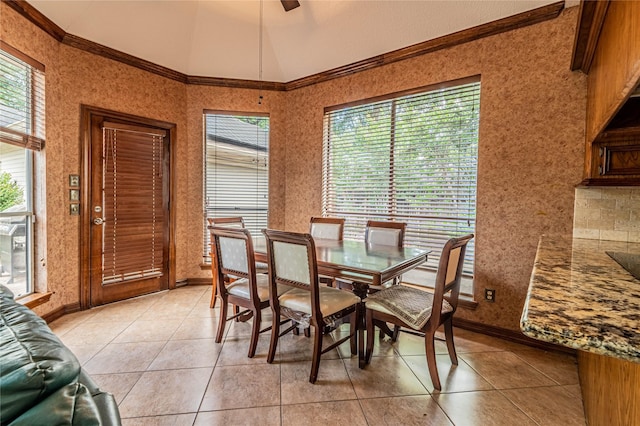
(581, 298)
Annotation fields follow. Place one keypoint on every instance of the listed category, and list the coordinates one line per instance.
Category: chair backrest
(233, 255)
(327, 228)
(229, 222)
(292, 262)
(385, 233)
(449, 274)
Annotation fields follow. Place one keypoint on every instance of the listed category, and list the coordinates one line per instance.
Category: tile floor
(157, 355)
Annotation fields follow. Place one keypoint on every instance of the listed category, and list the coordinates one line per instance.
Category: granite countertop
(581, 298)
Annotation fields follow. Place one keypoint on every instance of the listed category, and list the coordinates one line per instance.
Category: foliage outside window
(410, 158)
(21, 133)
(236, 170)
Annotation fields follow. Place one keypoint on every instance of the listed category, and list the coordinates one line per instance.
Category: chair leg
(275, 333)
(448, 334)
(430, 347)
(396, 333)
(296, 331)
(317, 352)
(370, 335)
(307, 332)
(236, 311)
(354, 323)
(255, 332)
(212, 304)
(222, 321)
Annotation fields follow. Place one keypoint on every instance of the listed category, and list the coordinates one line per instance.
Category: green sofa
(41, 381)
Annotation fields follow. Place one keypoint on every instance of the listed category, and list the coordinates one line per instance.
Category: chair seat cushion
(240, 288)
(409, 304)
(332, 300)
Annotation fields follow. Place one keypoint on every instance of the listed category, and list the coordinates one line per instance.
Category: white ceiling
(221, 38)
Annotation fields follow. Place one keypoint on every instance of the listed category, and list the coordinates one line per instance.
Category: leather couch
(41, 381)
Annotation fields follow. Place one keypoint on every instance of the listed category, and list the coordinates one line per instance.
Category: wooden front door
(127, 209)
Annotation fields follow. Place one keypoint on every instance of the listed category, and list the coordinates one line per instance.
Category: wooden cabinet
(615, 158)
(607, 48)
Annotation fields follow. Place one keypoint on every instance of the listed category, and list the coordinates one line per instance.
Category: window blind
(236, 170)
(22, 117)
(133, 203)
(410, 159)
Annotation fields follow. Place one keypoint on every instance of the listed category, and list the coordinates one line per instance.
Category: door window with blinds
(236, 170)
(133, 206)
(411, 158)
(22, 122)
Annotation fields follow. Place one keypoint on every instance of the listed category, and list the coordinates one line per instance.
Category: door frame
(86, 114)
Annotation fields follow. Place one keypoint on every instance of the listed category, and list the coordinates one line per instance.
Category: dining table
(361, 264)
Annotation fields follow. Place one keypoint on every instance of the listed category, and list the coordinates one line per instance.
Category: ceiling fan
(289, 4)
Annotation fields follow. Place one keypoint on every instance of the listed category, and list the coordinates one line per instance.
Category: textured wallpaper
(531, 146)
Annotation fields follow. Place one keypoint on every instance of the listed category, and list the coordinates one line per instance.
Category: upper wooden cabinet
(607, 48)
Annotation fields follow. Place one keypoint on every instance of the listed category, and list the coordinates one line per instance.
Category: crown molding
(236, 83)
(492, 28)
(116, 55)
(34, 15)
(520, 20)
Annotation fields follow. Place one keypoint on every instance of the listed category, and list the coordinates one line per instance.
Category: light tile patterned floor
(157, 355)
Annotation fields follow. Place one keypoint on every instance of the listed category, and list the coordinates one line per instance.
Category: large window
(21, 133)
(236, 170)
(411, 158)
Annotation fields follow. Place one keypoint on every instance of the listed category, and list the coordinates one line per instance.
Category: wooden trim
(510, 335)
(236, 83)
(198, 281)
(520, 20)
(465, 302)
(60, 312)
(23, 57)
(34, 15)
(34, 299)
(590, 20)
(86, 114)
(612, 181)
(125, 58)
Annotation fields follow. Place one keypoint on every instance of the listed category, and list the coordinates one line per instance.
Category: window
(21, 133)
(411, 158)
(236, 170)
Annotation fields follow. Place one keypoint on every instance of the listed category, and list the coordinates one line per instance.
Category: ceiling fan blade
(289, 4)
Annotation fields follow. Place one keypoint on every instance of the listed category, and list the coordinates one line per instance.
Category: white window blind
(22, 117)
(409, 159)
(236, 170)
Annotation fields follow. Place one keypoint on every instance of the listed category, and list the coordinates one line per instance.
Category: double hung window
(408, 158)
(21, 133)
(236, 170)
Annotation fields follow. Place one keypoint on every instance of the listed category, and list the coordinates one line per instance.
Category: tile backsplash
(607, 213)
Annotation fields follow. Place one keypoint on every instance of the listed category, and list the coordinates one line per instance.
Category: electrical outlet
(489, 295)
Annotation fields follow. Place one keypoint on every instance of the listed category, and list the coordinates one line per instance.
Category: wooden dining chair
(385, 234)
(292, 263)
(233, 253)
(327, 228)
(228, 222)
(420, 310)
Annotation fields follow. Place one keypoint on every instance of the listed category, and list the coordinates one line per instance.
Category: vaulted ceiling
(222, 38)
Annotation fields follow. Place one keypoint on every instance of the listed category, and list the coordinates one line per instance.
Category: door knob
(98, 221)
